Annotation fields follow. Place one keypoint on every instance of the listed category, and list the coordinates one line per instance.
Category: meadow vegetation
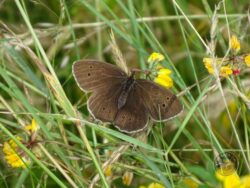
(49, 139)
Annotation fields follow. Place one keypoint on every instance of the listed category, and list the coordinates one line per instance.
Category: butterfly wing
(133, 116)
(92, 75)
(160, 102)
(102, 104)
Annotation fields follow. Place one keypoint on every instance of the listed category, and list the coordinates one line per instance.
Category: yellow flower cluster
(225, 71)
(33, 127)
(13, 154)
(163, 75)
(247, 60)
(233, 180)
(163, 78)
(208, 64)
(230, 65)
(153, 185)
(155, 57)
(190, 183)
(234, 43)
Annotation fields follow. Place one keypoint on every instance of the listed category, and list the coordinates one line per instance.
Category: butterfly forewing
(92, 75)
(133, 117)
(160, 102)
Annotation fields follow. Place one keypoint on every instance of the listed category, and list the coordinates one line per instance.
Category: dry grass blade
(118, 57)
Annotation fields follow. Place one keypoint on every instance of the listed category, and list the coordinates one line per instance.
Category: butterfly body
(129, 83)
(121, 99)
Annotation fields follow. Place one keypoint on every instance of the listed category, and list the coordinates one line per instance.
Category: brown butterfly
(121, 99)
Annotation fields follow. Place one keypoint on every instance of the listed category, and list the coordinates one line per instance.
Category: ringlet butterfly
(121, 99)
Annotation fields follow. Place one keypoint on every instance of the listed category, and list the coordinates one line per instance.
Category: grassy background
(39, 41)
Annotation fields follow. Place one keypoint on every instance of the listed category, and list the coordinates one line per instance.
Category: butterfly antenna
(118, 57)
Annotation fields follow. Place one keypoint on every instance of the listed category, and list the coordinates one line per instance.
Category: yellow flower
(245, 181)
(164, 81)
(108, 171)
(233, 180)
(33, 127)
(127, 178)
(225, 71)
(190, 183)
(234, 43)
(14, 155)
(155, 57)
(247, 60)
(163, 78)
(229, 181)
(226, 167)
(208, 64)
(155, 185)
(152, 185)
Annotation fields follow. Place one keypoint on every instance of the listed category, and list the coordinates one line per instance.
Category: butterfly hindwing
(161, 103)
(133, 116)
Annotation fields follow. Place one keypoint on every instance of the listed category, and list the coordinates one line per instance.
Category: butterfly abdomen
(128, 85)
